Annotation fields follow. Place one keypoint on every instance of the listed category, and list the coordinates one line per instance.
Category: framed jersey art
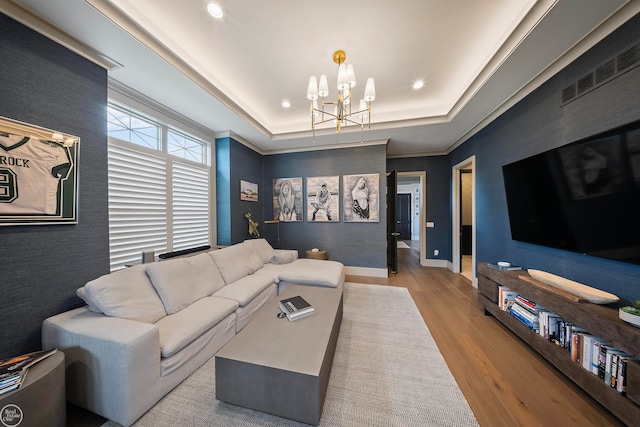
(38, 175)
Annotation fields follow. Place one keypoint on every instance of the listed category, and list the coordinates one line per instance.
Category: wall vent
(614, 67)
(628, 58)
(569, 93)
(585, 83)
(605, 72)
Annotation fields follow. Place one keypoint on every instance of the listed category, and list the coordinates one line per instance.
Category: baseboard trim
(436, 263)
(366, 271)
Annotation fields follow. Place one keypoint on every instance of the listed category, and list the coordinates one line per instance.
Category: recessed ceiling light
(418, 84)
(215, 10)
(286, 104)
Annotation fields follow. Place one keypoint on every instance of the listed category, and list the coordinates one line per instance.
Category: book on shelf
(621, 382)
(611, 366)
(509, 267)
(595, 355)
(585, 354)
(524, 316)
(14, 369)
(296, 308)
(506, 297)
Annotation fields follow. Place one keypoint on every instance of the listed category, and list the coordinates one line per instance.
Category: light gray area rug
(387, 371)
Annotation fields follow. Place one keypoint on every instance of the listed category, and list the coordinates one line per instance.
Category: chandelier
(342, 113)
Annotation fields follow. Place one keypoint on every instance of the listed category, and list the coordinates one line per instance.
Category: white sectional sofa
(148, 327)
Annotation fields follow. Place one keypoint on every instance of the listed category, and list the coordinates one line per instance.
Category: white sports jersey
(30, 171)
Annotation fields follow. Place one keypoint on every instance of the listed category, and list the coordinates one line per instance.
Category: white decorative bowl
(595, 296)
(629, 318)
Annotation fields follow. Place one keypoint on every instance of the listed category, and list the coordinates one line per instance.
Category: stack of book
(557, 330)
(296, 308)
(14, 369)
(602, 359)
(526, 311)
(592, 353)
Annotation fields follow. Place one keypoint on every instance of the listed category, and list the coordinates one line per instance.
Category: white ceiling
(476, 57)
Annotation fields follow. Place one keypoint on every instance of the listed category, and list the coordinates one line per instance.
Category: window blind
(137, 205)
(190, 185)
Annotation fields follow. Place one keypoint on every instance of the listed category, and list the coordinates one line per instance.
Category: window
(157, 201)
(128, 126)
(186, 147)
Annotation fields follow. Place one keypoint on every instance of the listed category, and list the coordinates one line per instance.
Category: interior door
(403, 216)
(392, 234)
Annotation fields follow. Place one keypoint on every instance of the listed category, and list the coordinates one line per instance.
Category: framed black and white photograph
(38, 175)
(323, 199)
(248, 191)
(361, 199)
(287, 199)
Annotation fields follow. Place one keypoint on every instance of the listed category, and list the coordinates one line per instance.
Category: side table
(321, 254)
(41, 400)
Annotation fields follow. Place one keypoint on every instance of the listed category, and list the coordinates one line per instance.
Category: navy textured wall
(41, 267)
(438, 194)
(246, 165)
(539, 123)
(235, 162)
(354, 244)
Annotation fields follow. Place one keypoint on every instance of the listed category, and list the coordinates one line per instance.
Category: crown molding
(613, 22)
(123, 21)
(37, 24)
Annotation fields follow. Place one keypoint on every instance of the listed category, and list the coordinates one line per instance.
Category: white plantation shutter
(137, 205)
(190, 205)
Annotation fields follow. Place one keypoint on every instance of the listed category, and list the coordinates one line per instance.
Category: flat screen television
(582, 197)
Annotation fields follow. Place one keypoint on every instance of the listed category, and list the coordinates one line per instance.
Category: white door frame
(469, 163)
(422, 216)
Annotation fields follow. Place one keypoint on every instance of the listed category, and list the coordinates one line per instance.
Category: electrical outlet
(436, 252)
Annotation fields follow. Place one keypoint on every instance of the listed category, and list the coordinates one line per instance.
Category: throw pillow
(126, 293)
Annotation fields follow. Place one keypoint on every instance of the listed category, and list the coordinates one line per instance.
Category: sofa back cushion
(236, 261)
(263, 249)
(182, 281)
(126, 293)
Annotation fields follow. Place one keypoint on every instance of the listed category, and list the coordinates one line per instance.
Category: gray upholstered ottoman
(281, 367)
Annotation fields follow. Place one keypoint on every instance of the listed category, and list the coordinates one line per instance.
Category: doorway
(464, 219)
(403, 216)
(413, 186)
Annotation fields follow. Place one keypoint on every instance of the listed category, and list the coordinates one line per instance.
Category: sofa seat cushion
(272, 270)
(236, 261)
(126, 293)
(314, 272)
(246, 289)
(180, 329)
(182, 281)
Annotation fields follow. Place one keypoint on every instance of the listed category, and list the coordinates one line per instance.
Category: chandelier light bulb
(362, 108)
(370, 90)
(312, 90)
(351, 76)
(324, 87)
(343, 78)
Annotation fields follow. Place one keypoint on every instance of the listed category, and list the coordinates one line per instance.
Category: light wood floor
(505, 382)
